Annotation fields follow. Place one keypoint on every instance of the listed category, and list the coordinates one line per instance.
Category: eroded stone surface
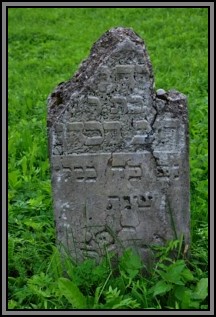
(119, 153)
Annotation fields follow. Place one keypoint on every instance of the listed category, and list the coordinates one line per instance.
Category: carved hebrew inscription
(116, 193)
(119, 154)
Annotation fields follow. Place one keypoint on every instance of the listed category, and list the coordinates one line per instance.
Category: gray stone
(119, 154)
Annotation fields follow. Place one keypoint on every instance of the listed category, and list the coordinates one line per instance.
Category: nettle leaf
(132, 273)
(130, 263)
(72, 293)
(180, 292)
(173, 273)
(183, 294)
(187, 275)
(201, 290)
(161, 288)
(185, 297)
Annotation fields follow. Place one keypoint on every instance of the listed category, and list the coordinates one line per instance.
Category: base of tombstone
(148, 256)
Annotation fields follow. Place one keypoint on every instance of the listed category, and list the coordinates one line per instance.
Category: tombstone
(119, 154)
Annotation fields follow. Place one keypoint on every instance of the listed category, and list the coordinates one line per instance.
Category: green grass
(45, 47)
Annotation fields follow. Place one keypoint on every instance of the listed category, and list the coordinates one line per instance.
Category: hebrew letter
(163, 171)
(75, 127)
(136, 104)
(94, 105)
(94, 131)
(125, 75)
(118, 167)
(113, 203)
(143, 128)
(167, 135)
(91, 174)
(144, 200)
(103, 79)
(75, 137)
(141, 69)
(119, 105)
(129, 216)
(112, 132)
(134, 173)
(79, 173)
(141, 74)
(126, 202)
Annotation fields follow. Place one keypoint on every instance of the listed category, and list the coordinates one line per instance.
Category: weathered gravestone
(119, 153)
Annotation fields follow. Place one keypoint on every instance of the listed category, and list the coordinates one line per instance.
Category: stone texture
(119, 153)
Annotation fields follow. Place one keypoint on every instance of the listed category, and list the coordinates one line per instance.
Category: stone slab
(119, 153)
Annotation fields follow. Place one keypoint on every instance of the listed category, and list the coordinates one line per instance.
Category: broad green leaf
(130, 263)
(187, 275)
(201, 290)
(161, 288)
(72, 293)
(185, 298)
(180, 291)
(132, 273)
(173, 274)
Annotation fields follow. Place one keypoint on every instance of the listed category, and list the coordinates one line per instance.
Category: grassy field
(45, 47)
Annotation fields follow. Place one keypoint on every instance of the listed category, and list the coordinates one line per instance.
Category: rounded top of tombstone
(121, 33)
(119, 50)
